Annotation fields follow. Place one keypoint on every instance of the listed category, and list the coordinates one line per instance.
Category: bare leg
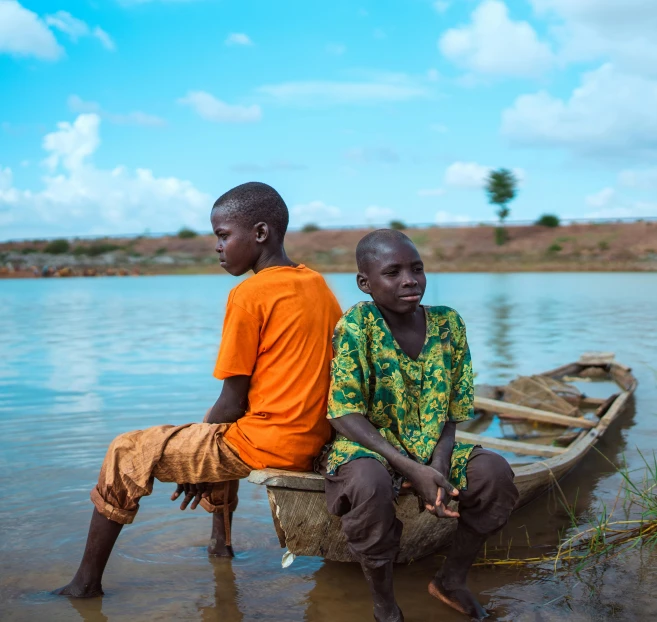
(449, 585)
(223, 496)
(100, 542)
(379, 580)
(218, 546)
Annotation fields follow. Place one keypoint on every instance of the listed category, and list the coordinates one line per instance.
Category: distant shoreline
(608, 247)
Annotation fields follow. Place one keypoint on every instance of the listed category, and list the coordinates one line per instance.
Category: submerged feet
(80, 589)
(457, 597)
(218, 546)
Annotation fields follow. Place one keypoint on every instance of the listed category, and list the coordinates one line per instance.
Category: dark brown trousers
(361, 493)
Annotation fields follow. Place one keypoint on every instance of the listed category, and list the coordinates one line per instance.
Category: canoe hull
(304, 526)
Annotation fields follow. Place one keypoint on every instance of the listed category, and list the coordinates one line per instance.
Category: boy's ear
(363, 283)
(262, 232)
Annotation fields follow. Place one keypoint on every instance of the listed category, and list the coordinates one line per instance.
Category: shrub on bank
(310, 228)
(57, 247)
(549, 220)
(186, 233)
(398, 225)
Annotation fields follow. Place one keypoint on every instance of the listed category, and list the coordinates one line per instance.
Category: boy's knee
(369, 483)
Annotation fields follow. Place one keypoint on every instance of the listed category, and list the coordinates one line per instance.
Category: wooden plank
(287, 479)
(592, 402)
(517, 447)
(532, 414)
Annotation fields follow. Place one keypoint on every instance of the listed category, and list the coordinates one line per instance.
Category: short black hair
(368, 246)
(255, 202)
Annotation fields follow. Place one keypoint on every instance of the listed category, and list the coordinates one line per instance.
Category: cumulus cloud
(473, 174)
(610, 113)
(24, 33)
(326, 92)
(622, 32)
(447, 218)
(76, 29)
(601, 199)
(77, 104)
(643, 179)
(212, 109)
(494, 44)
(77, 197)
(315, 212)
(441, 5)
(238, 38)
(378, 214)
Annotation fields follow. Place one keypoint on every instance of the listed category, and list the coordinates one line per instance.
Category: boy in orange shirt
(274, 360)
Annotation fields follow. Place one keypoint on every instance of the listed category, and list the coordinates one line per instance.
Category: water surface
(83, 360)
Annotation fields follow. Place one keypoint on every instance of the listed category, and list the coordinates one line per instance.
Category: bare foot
(80, 590)
(381, 615)
(217, 548)
(459, 598)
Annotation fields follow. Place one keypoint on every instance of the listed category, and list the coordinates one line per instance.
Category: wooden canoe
(304, 526)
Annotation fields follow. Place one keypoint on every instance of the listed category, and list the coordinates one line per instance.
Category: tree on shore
(501, 188)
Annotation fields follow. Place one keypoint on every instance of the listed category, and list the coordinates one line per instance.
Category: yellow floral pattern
(407, 400)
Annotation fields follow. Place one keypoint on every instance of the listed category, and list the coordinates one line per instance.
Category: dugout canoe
(297, 500)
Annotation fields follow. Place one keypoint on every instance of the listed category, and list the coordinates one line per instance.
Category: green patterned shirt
(407, 400)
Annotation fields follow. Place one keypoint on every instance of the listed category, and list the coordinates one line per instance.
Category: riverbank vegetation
(545, 246)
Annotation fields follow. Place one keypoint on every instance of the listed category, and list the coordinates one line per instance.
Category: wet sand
(85, 360)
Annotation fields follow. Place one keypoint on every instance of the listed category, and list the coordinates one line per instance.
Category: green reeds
(630, 523)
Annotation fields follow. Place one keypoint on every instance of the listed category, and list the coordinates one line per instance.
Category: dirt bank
(580, 247)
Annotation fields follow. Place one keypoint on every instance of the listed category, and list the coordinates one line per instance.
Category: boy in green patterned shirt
(401, 379)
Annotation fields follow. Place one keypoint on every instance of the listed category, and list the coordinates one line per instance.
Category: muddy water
(83, 360)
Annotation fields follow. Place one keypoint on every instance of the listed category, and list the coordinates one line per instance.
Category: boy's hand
(433, 488)
(192, 491)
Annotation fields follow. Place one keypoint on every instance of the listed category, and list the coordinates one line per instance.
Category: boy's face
(238, 246)
(395, 277)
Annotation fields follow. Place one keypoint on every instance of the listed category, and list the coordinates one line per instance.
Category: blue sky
(123, 116)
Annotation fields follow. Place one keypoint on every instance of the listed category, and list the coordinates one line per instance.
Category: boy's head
(390, 270)
(246, 220)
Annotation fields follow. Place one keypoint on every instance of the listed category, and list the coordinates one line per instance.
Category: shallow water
(82, 360)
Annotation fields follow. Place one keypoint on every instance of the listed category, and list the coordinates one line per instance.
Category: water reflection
(83, 360)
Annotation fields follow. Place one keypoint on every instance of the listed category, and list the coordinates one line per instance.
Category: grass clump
(555, 247)
(501, 236)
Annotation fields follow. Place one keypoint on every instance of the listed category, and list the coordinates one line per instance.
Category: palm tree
(501, 187)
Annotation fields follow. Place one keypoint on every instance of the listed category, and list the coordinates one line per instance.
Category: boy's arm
(427, 481)
(232, 403)
(441, 459)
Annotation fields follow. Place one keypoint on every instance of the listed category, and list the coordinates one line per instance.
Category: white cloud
(337, 49)
(644, 179)
(601, 199)
(76, 29)
(79, 198)
(441, 5)
(431, 192)
(375, 213)
(466, 175)
(623, 32)
(610, 113)
(72, 142)
(23, 33)
(316, 212)
(76, 104)
(445, 218)
(433, 75)
(624, 209)
(324, 93)
(212, 109)
(474, 175)
(238, 38)
(493, 44)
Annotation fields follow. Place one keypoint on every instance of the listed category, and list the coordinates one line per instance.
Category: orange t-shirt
(278, 330)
